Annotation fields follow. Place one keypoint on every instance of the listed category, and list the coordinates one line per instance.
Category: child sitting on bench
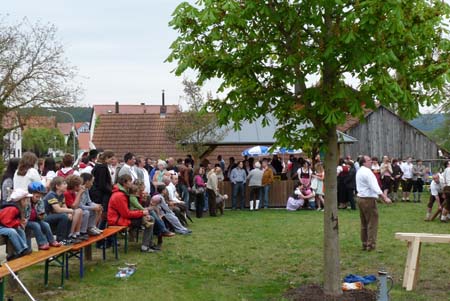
(95, 210)
(12, 223)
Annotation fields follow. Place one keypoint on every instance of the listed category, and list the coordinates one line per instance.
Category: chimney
(143, 107)
(163, 108)
(117, 107)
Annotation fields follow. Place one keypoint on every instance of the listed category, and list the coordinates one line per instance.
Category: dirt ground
(315, 293)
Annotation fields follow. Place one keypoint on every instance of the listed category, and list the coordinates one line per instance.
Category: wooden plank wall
(278, 195)
(384, 133)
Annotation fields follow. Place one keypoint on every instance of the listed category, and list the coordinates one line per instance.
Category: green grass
(256, 256)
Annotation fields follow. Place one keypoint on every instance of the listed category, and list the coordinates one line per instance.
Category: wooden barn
(384, 133)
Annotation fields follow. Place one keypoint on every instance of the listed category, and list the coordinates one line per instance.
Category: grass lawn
(256, 256)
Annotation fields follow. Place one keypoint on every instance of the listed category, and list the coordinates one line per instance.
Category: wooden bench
(79, 250)
(53, 255)
(415, 240)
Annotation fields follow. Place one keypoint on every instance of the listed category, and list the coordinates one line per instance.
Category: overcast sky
(119, 47)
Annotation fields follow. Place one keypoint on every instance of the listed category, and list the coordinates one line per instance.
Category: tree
(441, 135)
(294, 58)
(39, 140)
(193, 129)
(33, 69)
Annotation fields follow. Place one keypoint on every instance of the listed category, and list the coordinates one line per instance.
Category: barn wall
(384, 133)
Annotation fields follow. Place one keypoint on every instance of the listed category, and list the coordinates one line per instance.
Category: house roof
(66, 127)
(83, 141)
(39, 122)
(141, 134)
(9, 120)
(133, 109)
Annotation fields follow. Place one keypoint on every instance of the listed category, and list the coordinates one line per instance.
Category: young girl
(72, 198)
(135, 191)
(319, 176)
(12, 223)
(95, 210)
(36, 213)
(58, 215)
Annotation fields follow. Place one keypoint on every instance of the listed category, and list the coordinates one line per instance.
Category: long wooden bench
(53, 255)
(79, 250)
(415, 240)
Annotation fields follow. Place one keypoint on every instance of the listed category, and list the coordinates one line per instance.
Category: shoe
(12, 257)
(75, 239)
(55, 244)
(156, 247)
(168, 234)
(93, 232)
(98, 230)
(146, 249)
(27, 251)
(370, 249)
(66, 242)
(84, 236)
(44, 247)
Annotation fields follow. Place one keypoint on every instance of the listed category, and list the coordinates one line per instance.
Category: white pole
(18, 280)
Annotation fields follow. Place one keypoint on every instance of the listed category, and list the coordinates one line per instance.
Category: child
(95, 210)
(36, 223)
(318, 177)
(134, 191)
(58, 215)
(66, 168)
(72, 197)
(12, 224)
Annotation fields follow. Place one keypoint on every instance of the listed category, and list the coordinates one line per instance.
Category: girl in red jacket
(12, 224)
(119, 213)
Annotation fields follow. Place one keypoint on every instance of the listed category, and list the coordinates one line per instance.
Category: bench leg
(64, 260)
(46, 273)
(104, 249)
(407, 264)
(126, 241)
(116, 253)
(2, 289)
(412, 270)
(67, 264)
(81, 263)
(88, 254)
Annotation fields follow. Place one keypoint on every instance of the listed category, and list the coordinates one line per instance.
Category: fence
(278, 194)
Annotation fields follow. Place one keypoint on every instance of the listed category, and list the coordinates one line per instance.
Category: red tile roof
(133, 109)
(141, 134)
(39, 122)
(83, 141)
(66, 127)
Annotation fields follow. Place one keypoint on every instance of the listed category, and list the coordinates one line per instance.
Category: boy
(95, 210)
(72, 197)
(12, 224)
(35, 212)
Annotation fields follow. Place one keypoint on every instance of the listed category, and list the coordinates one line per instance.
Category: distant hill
(80, 114)
(428, 122)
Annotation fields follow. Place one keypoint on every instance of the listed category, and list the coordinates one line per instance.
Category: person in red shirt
(12, 223)
(119, 213)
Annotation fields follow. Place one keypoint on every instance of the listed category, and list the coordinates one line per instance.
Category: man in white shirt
(435, 195)
(407, 178)
(128, 166)
(445, 216)
(368, 193)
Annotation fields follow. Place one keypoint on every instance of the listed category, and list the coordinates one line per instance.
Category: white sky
(118, 46)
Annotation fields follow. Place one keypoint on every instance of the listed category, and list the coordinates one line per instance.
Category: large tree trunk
(332, 270)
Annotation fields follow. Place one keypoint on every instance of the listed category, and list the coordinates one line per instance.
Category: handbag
(314, 183)
(198, 190)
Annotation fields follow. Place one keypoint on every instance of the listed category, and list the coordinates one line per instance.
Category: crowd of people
(65, 203)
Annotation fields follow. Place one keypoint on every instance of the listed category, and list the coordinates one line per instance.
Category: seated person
(297, 201)
(72, 197)
(135, 204)
(86, 204)
(59, 216)
(66, 167)
(12, 223)
(36, 214)
(119, 214)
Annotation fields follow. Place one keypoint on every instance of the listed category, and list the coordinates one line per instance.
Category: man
(184, 181)
(142, 173)
(435, 195)
(368, 193)
(238, 177)
(418, 180)
(407, 169)
(128, 167)
(445, 216)
(171, 164)
(267, 181)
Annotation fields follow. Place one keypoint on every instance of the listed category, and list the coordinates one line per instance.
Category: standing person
(91, 160)
(342, 173)
(26, 172)
(128, 167)
(66, 168)
(142, 172)
(200, 193)
(445, 216)
(376, 169)
(350, 184)
(387, 179)
(435, 195)
(319, 176)
(7, 179)
(407, 169)
(397, 175)
(238, 177)
(49, 171)
(101, 189)
(255, 183)
(221, 162)
(418, 180)
(185, 181)
(368, 193)
(267, 181)
(212, 189)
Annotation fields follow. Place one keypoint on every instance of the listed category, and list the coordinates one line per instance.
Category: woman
(397, 174)
(48, 171)
(319, 176)
(376, 169)
(7, 180)
(102, 187)
(342, 173)
(26, 172)
(386, 172)
(267, 181)
(254, 179)
(212, 188)
(158, 178)
(304, 174)
(200, 191)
